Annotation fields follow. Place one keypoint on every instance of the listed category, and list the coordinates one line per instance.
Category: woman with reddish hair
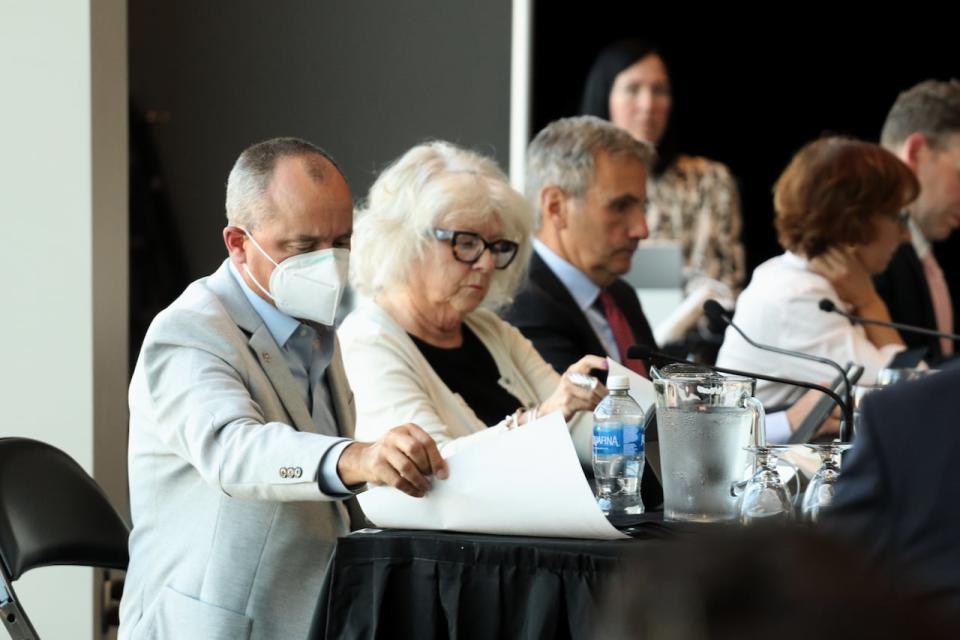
(839, 217)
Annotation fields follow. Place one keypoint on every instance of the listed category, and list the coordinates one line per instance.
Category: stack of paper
(526, 482)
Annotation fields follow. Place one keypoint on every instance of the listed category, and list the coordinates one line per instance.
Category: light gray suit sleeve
(209, 404)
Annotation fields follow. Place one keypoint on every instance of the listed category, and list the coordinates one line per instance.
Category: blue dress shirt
(584, 293)
(308, 350)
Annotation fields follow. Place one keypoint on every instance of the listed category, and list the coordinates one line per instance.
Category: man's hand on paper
(481, 494)
(403, 458)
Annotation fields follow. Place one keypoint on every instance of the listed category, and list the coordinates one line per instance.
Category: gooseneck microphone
(644, 352)
(716, 313)
(829, 306)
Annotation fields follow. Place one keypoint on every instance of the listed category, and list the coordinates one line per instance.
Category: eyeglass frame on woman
(450, 235)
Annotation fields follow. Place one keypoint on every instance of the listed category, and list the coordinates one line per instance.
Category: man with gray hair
(586, 182)
(240, 418)
(923, 130)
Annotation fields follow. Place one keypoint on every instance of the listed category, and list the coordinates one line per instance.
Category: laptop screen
(656, 266)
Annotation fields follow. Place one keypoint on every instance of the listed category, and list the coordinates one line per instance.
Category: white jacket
(393, 383)
(781, 308)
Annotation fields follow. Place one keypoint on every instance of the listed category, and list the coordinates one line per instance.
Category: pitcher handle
(758, 425)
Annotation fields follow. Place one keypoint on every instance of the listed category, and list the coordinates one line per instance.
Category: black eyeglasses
(469, 246)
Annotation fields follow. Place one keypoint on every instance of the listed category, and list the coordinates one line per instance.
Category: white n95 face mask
(307, 286)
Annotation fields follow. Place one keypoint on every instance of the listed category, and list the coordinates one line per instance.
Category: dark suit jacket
(898, 495)
(547, 314)
(903, 286)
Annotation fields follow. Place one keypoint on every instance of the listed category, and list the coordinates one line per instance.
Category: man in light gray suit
(240, 415)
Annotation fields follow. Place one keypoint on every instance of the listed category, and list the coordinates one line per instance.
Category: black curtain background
(750, 90)
(158, 268)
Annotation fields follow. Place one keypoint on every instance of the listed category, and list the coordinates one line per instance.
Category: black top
(505, 586)
(903, 286)
(470, 371)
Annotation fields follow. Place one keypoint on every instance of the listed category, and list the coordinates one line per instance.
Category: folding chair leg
(14, 619)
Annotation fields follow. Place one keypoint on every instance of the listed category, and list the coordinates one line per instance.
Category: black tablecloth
(428, 584)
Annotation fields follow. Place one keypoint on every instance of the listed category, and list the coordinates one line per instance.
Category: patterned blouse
(695, 202)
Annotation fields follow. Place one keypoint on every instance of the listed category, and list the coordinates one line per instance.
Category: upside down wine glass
(819, 493)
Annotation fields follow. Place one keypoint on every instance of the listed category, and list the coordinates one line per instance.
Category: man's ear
(233, 238)
(914, 148)
(554, 207)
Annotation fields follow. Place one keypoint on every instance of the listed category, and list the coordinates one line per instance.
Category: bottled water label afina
(618, 450)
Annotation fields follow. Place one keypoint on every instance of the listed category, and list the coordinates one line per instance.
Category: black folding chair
(51, 513)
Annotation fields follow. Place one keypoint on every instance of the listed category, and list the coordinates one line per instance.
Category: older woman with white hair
(442, 241)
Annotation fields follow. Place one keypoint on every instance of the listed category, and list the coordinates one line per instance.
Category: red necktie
(622, 333)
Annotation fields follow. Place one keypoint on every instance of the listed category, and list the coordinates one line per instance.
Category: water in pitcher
(702, 453)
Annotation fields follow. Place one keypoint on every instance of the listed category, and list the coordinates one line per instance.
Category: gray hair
(931, 108)
(562, 155)
(252, 173)
(435, 184)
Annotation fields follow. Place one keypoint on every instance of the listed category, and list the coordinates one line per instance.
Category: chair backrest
(53, 513)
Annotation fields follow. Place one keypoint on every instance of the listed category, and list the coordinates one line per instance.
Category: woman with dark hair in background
(692, 200)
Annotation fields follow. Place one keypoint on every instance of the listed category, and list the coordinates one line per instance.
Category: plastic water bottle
(618, 451)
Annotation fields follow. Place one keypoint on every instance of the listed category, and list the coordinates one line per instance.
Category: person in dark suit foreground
(898, 493)
(789, 583)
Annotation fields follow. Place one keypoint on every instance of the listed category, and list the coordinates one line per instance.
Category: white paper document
(527, 482)
(641, 389)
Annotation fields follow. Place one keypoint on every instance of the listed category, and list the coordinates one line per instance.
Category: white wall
(521, 50)
(63, 214)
